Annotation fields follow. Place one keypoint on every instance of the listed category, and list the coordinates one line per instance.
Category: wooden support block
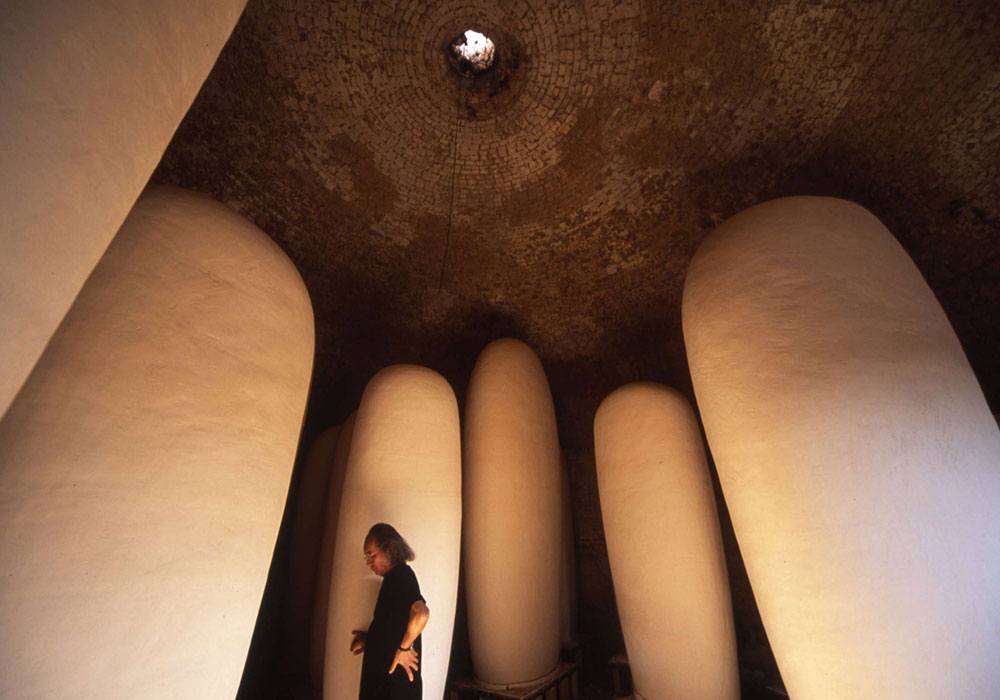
(561, 684)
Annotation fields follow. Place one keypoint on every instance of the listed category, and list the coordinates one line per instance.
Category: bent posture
(391, 644)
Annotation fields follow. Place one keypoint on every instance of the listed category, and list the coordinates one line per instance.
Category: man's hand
(358, 643)
(419, 614)
(407, 660)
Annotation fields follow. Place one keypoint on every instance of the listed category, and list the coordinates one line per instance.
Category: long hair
(391, 542)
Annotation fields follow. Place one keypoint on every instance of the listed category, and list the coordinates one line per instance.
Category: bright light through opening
(476, 49)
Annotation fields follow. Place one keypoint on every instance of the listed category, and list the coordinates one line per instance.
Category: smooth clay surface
(145, 464)
(857, 455)
(305, 546)
(665, 546)
(512, 530)
(567, 577)
(404, 469)
(328, 543)
(92, 93)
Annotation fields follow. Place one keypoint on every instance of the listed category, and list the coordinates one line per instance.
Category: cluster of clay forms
(403, 463)
(150, 406)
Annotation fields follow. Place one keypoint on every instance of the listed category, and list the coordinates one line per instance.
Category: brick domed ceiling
(559, 196)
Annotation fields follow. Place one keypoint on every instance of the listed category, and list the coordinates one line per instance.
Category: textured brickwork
(570, 187)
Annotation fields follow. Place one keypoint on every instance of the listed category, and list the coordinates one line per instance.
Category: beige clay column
(665, 546)
(859, 460)
(144, 466)
(567, 576)
(91, 95)
(328, 542)
(512, 529)
(304, 548)
(404, 469)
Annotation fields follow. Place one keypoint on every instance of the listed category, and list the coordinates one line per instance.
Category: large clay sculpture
(328, 543)
(144, 465)
(856, 452)
(567, 577)
(404, 469)
(665, 546)
(92, 93)
(512, 530)
(308, 523)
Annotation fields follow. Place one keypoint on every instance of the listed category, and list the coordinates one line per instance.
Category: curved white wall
(404, 469)
(512, 530)
(324, 563)
(665, 546)
(859, 460)
(145, 464)
(92, 93)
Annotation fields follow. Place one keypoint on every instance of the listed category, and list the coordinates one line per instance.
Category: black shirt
(398, 593)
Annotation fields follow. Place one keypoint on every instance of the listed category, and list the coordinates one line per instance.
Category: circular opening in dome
(471, 53)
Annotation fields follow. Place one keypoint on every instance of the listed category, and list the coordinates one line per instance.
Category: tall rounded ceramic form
(567, 577)
(859, 460)
(511, 535)
(308, 523)
(324, 563)
(404, 469)
(145, 464)
(92, 93)
(665, 546)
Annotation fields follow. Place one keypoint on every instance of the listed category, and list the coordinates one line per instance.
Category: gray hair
(391, 542)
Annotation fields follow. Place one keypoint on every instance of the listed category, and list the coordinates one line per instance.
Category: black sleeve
(410, 589)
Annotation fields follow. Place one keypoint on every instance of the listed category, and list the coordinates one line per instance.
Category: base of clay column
(561, 682)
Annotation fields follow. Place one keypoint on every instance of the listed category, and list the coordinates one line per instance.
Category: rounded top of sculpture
(408, 378)
(505, 369)
(507, 346)
(508, 352)
(804, 217)
(637, 398)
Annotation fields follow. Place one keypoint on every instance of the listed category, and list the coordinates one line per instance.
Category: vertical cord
(451, 200)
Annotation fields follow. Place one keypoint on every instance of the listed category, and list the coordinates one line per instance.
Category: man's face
(377, 560)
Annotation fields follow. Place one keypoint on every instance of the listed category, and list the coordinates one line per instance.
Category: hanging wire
(451, 199)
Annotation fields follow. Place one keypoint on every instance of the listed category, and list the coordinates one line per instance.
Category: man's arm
(406, 656)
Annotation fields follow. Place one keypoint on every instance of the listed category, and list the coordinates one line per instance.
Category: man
(390, 669)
